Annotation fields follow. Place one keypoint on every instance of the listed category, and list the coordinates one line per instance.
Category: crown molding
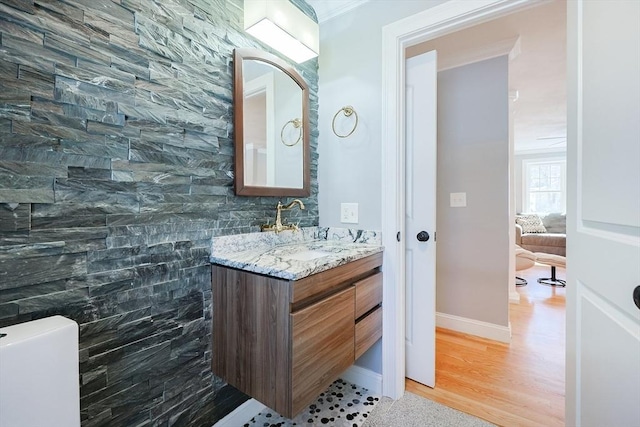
(328, 9)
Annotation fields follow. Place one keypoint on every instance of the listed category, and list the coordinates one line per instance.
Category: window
(544, 186)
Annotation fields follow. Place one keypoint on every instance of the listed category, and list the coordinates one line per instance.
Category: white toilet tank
(39, 380)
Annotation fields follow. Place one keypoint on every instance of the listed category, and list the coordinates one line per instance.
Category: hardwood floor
(517, 384)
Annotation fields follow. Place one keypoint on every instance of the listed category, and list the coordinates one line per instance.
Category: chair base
(520, 281)
(553, 280)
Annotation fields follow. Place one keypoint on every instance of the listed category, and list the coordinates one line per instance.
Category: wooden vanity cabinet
(284, 342)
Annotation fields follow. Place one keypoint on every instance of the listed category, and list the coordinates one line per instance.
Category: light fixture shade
(284, 27)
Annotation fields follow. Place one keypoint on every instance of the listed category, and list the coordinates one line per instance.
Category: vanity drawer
(368, 293)
(322, 346)
(330, 280)
(368, 331)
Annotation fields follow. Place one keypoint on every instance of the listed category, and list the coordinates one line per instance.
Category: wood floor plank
(516, 384)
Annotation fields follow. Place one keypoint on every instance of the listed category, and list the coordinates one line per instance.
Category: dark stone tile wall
(116, 166)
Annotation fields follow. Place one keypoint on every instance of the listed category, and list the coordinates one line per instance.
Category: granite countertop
(294, 255)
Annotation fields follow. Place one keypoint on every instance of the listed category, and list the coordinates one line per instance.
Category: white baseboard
(514, 297)
(364, 378)
(241, 414)
(474, 327)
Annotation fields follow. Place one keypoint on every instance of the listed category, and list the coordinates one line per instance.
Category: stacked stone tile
(116, 169)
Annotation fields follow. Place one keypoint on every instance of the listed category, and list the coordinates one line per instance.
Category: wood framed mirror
(271, 126)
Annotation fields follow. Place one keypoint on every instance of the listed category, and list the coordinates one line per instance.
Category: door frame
(446, 18)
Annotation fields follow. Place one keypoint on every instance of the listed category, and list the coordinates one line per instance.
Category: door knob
(423, 236)
(636, 296)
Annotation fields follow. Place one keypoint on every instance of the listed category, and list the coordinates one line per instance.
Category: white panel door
(420, 198)
(603, 267)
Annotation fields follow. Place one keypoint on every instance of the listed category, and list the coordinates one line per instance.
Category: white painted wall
(473, 157)
(350, 73)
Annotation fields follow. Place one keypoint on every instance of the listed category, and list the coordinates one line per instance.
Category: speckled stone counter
(294, 255)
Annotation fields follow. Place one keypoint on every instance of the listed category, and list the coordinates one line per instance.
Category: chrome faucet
(279, 226)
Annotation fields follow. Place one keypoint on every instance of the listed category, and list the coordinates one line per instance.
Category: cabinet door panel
(323, 345)
(251, 334)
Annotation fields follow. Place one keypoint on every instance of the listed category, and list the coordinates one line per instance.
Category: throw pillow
(530, 223)
(555, 223)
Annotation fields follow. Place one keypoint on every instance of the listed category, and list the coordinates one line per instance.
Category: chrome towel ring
(348, 111)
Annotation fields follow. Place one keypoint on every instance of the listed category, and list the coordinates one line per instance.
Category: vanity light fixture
(284, 27)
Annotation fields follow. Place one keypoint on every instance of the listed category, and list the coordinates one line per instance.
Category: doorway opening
(531, 40)
(397, 364)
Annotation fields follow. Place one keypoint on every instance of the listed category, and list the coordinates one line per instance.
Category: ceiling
(537, 72)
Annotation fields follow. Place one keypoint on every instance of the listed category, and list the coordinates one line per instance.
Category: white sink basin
(307, 255)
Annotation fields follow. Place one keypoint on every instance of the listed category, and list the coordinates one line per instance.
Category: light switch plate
(349, 213)
(458, 200)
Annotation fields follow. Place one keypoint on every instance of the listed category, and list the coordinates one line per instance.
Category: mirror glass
(272, 130)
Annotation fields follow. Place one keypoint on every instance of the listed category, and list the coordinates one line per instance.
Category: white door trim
(396, 37)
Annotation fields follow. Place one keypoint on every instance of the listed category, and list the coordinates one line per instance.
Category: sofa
(542, 233)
